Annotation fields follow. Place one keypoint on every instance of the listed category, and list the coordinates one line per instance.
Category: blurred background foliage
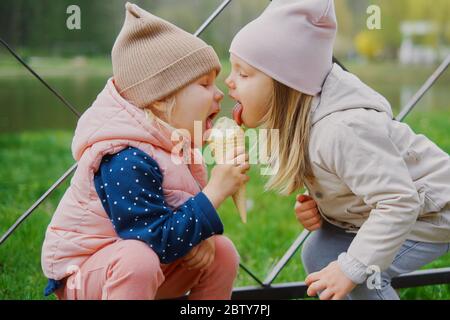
(38, 27)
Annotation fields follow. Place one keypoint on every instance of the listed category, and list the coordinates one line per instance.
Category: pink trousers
(129, 269)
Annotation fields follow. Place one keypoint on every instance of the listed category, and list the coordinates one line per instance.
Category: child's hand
(329, 283)
(226, 179)
(307, 212)
(201, 256)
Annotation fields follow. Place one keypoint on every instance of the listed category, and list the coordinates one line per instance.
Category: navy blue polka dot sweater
(129, 185)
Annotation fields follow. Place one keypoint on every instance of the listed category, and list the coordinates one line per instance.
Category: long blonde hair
(289, 112)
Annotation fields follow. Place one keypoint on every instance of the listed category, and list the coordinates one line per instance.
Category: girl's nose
(229, 82)
(219, 95)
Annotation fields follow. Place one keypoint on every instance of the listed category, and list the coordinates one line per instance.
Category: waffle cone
(224, 149)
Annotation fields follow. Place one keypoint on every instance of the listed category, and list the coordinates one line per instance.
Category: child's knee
(227, 256)
(323, 246)
(136, 259)
(312, 259)
(308, 259)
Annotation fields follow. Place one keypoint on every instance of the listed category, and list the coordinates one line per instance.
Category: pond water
(27, 105)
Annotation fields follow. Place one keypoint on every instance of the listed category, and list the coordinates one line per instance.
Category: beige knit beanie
(153, 58)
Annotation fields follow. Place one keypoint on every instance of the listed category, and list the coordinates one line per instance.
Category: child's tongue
(237, 113)
(209, 124)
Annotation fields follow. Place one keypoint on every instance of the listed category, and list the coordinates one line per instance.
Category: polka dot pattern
(129, 185)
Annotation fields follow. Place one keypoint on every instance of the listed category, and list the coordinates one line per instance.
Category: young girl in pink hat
(139, 218)
(379, 194)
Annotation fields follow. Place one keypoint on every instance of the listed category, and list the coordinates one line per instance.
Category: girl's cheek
(240, 91)
(205, 104)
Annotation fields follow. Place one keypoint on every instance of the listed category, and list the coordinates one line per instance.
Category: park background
(36, 128)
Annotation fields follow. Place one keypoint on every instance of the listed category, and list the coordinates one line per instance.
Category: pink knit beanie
(292, 42)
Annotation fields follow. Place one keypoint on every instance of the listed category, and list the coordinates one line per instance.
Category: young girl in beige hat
(139, 218)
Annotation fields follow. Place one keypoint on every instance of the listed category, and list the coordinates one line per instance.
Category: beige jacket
(373, 175)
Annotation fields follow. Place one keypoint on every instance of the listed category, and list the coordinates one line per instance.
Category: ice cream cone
(225, 138)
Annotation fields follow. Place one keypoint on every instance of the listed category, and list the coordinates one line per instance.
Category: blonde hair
(162, 107)
(289, 112)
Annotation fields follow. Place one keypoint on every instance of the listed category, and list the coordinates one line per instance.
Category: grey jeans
(325, 244)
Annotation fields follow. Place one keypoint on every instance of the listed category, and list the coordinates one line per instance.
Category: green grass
(31, 162)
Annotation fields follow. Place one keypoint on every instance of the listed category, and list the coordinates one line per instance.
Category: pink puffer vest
(80, 225)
